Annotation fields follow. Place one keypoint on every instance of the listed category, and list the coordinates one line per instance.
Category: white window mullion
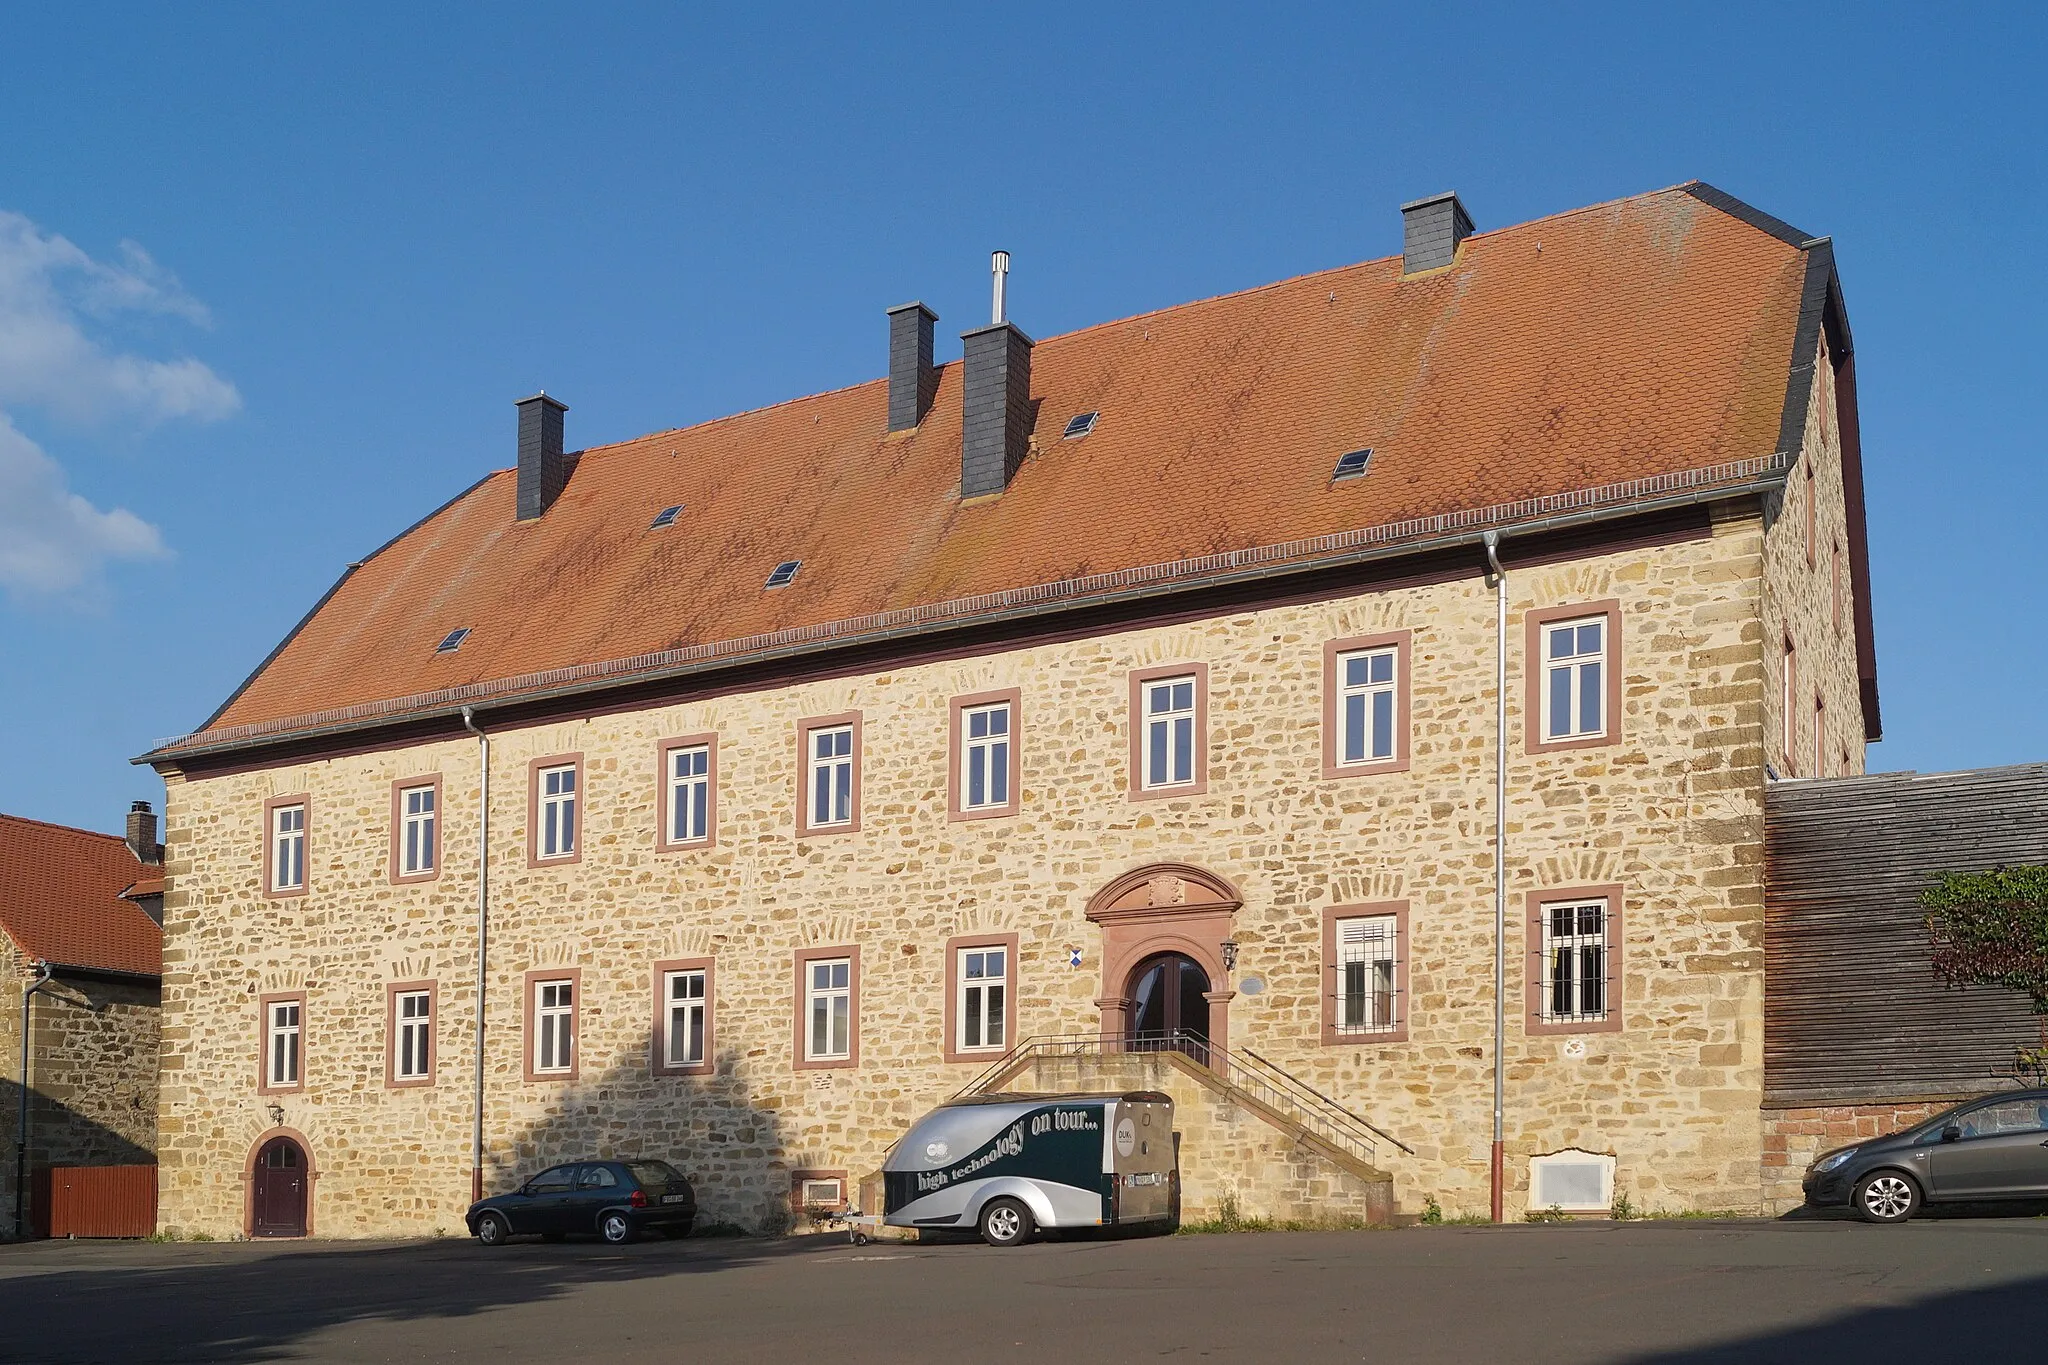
(686, 1018)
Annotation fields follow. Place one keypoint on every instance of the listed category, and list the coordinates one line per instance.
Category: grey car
(1995, 1148)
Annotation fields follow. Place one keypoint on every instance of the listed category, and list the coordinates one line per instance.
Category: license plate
(675, 1199)
(1148, 1178)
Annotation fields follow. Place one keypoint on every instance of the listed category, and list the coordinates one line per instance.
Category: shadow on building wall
(58, 1135)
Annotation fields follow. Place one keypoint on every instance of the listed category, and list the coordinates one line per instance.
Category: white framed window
(685, 1017)
(1366, 697)
(1366, 1000)
(1575, 962)
(288, 847)
(985, 756)
(418, 824)
(1575, 678)
(283, 1031)
(828, 1009)
(556, 811)
(554, 1026)
(821, 1194)
(982, 999)
(1169, 755)
(413, 1016)
(830, 750)
(689, 794)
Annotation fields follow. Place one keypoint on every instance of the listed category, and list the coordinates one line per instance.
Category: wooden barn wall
(1853, 1012)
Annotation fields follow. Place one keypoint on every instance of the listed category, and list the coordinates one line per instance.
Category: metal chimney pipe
(999, 265)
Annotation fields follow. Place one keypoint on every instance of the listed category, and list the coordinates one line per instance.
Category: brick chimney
(913, 379)
(142, 834)
(996, 398)
(1431, 230)
(542, 468)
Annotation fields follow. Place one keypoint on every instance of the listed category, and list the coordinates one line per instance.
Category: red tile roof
(1645, 337)
(60, 898)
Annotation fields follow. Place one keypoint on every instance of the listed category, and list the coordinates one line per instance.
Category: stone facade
(1670, 814)
(92, 1072)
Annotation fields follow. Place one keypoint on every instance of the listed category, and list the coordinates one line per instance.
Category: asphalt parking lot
(1932, 1291)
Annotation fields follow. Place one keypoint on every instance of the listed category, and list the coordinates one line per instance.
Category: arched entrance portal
(1169, 997)
(278, 1189)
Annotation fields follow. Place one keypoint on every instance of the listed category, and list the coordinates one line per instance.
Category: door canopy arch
(1164, 908)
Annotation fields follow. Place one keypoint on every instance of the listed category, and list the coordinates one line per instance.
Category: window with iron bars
(1575, 962)
(1366, 1000)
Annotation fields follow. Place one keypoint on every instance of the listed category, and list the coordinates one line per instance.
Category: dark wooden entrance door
(280, 1192)
(1170, 1005)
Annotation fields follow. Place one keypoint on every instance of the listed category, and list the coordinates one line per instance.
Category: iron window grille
(1576, 962)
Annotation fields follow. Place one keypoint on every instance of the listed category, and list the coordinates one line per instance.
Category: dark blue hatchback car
(617, 1200)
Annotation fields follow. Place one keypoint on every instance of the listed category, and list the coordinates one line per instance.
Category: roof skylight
(1351, 464)
(452, 641)
(784, 573)
(1081, 425)
(666, 517)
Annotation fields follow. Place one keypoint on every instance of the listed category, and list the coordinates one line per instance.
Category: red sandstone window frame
(803, 958)
(1533, 623)
(534, 769)
(657, 1055)
(271, 891)
(392, 990)
(1835, 554)
(1139, 677)
(1820, 736)
(1812, 515)
(399, 787)
(956, 796)
(263, 1004)
(955, 946)
(1401, 642)
(1788, 706)
(804, 729)
(797, 1181)
(529, 1038)
(664, 817)
(1332, 1034)
(1533, 965)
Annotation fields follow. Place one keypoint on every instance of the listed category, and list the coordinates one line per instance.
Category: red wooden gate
(102, 1201)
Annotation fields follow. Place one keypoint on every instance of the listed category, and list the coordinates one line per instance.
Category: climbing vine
(1991, 929)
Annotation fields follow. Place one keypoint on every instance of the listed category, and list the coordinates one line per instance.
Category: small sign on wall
(1073, 957)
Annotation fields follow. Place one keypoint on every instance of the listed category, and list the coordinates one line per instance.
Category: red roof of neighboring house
(60, 898)
(1652, 336)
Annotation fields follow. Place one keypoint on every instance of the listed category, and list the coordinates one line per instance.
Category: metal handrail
(1258, 1078)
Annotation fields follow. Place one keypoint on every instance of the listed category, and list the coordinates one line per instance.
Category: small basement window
(452, 641)
(1572, 1181)
(784, 573)
(666, 517)
(1351, 465)
(1080, 426)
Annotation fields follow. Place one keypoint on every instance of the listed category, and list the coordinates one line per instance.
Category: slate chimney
(996, 396)
(1431, 230)
(913, 379)
(142, 834)
(542, 470)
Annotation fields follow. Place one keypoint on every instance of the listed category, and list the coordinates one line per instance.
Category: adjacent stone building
(778, 777)
(80, 956)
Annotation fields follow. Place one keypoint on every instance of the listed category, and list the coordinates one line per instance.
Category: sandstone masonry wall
(1670, 813)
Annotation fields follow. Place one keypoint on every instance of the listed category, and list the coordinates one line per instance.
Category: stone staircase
(1252, 1135)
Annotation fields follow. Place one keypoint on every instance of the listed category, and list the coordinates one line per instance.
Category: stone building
(80, 956)
(735, 793)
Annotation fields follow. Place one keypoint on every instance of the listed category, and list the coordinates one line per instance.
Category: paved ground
(1931, 1292)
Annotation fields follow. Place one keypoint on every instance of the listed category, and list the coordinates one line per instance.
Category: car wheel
(1005, 1223)
(492, 1230)
(1887, 1197)
(615, 1228)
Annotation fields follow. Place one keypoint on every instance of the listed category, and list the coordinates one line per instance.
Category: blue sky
(270, 278)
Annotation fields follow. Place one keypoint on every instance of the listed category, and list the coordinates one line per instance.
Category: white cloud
(53, 542)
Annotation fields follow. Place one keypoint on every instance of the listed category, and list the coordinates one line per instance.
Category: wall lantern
(1229, 954)
(276, 1115)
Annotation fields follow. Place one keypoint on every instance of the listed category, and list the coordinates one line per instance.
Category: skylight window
(1081, 425)
(452, 641)
(784, 573)
(1351, 465)
(666, 517)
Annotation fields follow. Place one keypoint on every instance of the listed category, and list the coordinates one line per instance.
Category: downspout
(1500, 863)
(483, 925)
(21, 1119)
